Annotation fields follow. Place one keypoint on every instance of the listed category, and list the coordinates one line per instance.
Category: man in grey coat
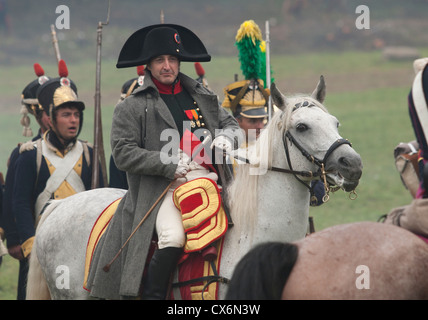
(149, 130)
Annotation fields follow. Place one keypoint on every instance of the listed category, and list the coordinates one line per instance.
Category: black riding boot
(159, 272)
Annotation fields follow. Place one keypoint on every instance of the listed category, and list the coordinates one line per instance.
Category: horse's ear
(319, 92)
(277, 97)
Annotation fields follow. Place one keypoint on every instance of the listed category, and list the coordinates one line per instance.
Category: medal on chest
(194, 116)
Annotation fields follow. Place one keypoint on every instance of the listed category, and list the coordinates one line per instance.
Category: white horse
(269, 197)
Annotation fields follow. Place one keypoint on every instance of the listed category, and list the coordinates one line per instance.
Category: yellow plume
(249, 29)
(263, 46)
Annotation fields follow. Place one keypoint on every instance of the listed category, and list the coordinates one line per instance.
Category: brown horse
(364, 260)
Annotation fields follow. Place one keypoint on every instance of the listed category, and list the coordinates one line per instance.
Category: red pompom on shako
(140, 70)
(63, 73)
(199, 69)
(40, 73)
(38, 70)
(62, 69)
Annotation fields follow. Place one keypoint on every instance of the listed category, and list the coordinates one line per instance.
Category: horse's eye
(301, 127)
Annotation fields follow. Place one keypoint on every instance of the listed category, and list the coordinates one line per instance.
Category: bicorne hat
(162, 39)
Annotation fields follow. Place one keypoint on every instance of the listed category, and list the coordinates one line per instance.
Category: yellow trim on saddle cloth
(100, 226)
(200, 238)
(211, 291)
(202, 201)
(204, 219)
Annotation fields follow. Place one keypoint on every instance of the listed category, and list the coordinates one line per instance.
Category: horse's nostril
(344, 162)
(350, 168)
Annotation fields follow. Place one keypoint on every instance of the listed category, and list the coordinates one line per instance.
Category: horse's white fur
(60, 245)
(36, 280)
(275, 206)
(267, 207)
(244, 201)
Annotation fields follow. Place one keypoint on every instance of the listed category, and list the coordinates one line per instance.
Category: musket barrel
(55, 43)
(99, 154)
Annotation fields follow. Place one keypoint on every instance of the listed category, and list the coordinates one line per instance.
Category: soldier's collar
(168, 88)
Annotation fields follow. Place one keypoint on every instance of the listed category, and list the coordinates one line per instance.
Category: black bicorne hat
(161, 39)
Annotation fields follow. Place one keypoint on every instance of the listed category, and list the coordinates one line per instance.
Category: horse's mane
(242, 192)
(263, 272)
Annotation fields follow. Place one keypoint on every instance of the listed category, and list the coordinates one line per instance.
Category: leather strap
(63, 172)
(238, 97)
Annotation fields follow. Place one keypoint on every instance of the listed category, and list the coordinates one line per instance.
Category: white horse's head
(311, 139)
(300, 143)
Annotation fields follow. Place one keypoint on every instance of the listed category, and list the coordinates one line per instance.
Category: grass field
(366, 93)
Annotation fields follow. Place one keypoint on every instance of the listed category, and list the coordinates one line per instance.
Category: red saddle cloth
(197, 274)
(205, 223)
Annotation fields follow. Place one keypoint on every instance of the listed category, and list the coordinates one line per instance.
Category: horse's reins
(321, 172)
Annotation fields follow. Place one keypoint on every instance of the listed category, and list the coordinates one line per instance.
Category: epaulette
(87, 142)
(28, 146)
(31, 145)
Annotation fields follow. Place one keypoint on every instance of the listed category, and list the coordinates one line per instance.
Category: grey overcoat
(136, 143)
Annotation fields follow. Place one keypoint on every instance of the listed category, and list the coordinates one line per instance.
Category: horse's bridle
(321, 172)
(320, 163)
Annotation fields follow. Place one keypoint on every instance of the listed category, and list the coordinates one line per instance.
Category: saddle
(205, 223)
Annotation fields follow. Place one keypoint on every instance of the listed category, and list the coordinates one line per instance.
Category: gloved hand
(222, 143)
(195, 166)
(183, 165)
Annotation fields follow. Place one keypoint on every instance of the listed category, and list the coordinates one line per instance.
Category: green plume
(248, 40)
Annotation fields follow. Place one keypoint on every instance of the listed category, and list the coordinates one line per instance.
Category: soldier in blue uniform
(31, 106)
(55, 166)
